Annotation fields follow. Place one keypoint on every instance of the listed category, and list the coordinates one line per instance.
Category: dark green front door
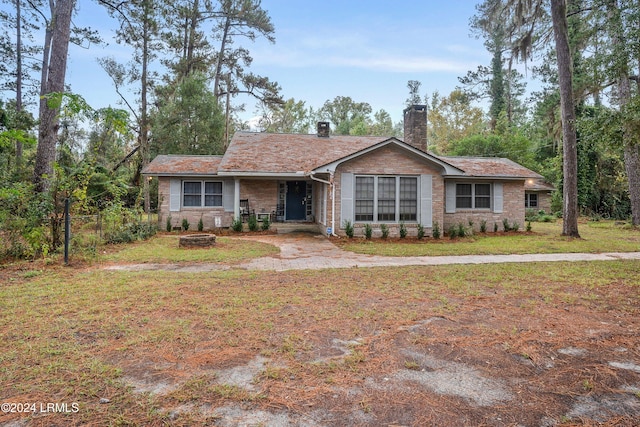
(296, 197)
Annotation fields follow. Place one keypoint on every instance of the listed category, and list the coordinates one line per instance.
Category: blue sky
(366, 50)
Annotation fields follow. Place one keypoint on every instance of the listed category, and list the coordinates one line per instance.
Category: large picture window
(386, 198)
(202, 194)
(473, 196)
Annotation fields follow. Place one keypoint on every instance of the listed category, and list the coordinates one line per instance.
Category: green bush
(528, 226)
(384, 228)
(483, 226)
(436, 231)
(495, 227)
(265, 223)
(200, 225)
(403, 230)
(185, 224)
(168, 226)
(253, 223)
(131, 232)
(462, 231)
(348, 229)
(515, 226)
(453, 232)
(236, 225)
(505, 224)
(420, 232)
(368, 231)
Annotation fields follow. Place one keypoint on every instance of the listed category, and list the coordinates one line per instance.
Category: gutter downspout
(333, 199)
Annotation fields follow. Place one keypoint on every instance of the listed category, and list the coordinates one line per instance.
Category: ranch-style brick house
(329, 180)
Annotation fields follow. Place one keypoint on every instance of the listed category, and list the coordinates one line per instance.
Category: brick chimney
(415, 126)
(323, 129)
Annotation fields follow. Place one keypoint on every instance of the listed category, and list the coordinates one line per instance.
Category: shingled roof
(289, 153)
(259, 153)
(171, 164)
(490, 167)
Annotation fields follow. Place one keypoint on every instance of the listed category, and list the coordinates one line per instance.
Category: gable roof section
(180, 165)
(490, 167)
(446, 167)
(254, 153)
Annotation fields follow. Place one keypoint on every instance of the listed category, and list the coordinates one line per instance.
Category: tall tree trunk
(18, 80)
(54, 69)
(569, 139)
(629, 137)
(144, 119)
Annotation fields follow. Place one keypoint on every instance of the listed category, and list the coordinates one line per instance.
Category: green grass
(165, 249)
(603, 236)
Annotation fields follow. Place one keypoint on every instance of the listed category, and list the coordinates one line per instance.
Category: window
(530, 200)
(386, 198)
(193, 195)
(364, 198)
(473, 196)
(408, 199)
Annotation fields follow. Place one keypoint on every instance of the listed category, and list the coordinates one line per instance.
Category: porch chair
(245, 210)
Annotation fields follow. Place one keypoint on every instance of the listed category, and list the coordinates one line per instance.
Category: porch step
(295, 227)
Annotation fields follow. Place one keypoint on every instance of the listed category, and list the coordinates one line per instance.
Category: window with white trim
(386, 198)
(201, 194)
(530, 200)
(473, 196)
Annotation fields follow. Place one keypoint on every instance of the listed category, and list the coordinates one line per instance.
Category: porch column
(236, 198)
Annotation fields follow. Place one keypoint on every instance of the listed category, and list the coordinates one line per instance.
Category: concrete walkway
(310, 252)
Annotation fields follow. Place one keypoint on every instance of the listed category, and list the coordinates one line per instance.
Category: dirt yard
(541, 344)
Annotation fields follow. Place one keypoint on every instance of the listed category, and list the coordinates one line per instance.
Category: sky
(366, 50)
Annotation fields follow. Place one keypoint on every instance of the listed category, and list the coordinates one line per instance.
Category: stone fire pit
(197, 241)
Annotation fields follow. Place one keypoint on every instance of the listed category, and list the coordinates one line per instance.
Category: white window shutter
(175, 190)
(346, 199)
(450, 200)
(497, 197)
(228, 195)
(426, 198)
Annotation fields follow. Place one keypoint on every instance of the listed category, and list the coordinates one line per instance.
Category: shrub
(385, 230)
(253, 223)
(236, 225)
(528, 226)
(495, 227)
(453, 232)
(168, 226)
(462, 231)
(436, 230)
(200, 225)
(130, 232)
(185, 224)
(403, 230)
(368, 231)
(515, 226)
(421, 232)
(483, 226)
(505, 224)
(265, 223)
(348, 229)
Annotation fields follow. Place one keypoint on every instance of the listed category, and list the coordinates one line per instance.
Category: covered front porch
(299, 199)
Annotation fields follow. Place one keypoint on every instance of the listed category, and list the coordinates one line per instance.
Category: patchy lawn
(596, 237)
(499, 345)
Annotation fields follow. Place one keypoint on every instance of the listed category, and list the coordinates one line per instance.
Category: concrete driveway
(303, 251)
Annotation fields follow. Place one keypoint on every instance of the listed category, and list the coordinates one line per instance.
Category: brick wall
(192, 215)
(513, 210)
(390, 160)
(262, 194)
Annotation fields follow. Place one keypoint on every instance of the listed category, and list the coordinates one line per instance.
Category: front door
(296, 201)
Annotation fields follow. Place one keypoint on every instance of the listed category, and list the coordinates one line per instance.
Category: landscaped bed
(499, 344)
